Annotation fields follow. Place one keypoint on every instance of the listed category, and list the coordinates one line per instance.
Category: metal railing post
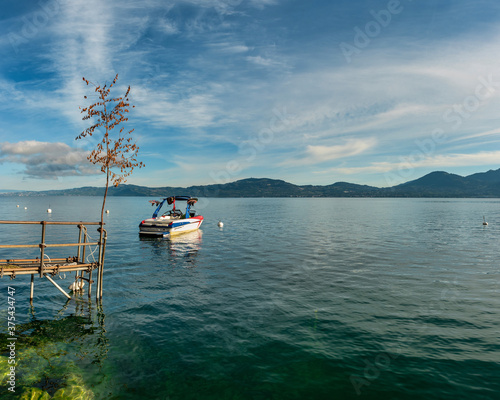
(42, 248)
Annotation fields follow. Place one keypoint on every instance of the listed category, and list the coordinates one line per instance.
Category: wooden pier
(47, 267)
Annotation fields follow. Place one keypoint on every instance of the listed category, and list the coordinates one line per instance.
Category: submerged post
(57, 286)
(32, 287)
(98, 285)
(102, 249)
(105, 238)
(90, 284)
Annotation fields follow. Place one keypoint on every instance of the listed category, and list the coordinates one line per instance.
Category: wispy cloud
(265, 62)
(441, 161)
(319, 154)
(196, 109)
(169, 27)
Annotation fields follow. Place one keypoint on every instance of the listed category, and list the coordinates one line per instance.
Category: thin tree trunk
(101, 231)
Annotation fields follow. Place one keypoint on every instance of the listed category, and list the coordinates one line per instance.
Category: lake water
(291, 299)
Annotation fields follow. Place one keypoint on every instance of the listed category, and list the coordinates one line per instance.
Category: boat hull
(165, 227)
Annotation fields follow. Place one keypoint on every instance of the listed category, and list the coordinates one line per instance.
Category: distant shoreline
(434, 185)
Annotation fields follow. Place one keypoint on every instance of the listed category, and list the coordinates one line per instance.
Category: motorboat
(172, 222)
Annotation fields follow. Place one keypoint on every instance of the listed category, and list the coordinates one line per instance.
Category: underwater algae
(50, 359)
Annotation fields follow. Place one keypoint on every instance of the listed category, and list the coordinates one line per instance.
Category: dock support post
(79, 250)
(102, 259)
(42, 248)
(57, 286)
(102, 247)
(90, 283)
(32, 287)
(84, 241)
(98, 284)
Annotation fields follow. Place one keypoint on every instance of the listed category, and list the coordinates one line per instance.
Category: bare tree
(116, 155)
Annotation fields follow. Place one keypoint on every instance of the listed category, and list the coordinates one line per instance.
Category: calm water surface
(292, 299)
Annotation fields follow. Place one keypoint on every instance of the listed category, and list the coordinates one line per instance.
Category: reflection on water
(55, 357)
(181, 248)
(186, 245)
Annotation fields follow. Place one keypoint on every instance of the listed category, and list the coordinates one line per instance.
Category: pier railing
(44, 266)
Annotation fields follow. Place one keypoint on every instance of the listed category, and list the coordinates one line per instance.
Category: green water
(292, 299)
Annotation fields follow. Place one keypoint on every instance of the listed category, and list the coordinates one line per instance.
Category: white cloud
(262, 3)
(44, 160)
(187, 110)
(320, 154)
(441, 161)
(229, 47)
(169, 27)
(264, 62)
(492, 133)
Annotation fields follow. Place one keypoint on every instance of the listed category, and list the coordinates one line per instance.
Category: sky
(310, 92)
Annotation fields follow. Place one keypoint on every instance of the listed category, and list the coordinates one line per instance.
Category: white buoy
(107, 211)
(76, 286)
(220, 224)
(25, 208)
(484, 221)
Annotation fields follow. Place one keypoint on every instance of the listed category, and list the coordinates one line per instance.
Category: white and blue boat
(172, 222)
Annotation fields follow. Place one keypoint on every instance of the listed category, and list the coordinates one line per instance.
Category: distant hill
(435, 184)
(444, 184)
(492, 176)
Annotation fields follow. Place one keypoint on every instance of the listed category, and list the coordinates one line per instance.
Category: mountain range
(435, 184)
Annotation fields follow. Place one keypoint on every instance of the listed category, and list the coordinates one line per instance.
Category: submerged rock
(73, 393)
(34, 394)
(31, 366)
(4, 370)
(75, 389)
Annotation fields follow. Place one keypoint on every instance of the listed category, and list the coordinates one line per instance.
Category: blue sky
(312, 92)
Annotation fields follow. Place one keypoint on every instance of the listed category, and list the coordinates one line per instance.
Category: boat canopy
(182, 198)
(171, 200)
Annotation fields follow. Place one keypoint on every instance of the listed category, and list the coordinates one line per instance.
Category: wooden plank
(28, 271)
(72, 244)
(19, 246)
(50, 223)
(30, 246)
(31, 260)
